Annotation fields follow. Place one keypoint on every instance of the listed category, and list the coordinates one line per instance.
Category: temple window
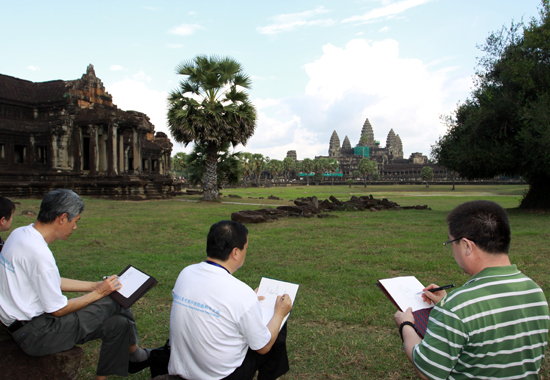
(41, 154)
(3, 153)
(20, 152)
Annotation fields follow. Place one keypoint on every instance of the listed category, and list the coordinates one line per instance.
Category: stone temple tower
(399, 147)
(367, 135)
(394, 145)
(346, 144)
(334, 147)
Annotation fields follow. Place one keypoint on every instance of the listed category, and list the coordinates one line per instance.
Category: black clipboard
(144, 288)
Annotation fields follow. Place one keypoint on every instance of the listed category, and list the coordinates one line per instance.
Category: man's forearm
(79, 303)
(273, 326)
(69, 285)
(410, 340)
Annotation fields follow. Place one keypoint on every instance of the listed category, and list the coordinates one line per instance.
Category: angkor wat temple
(70, 134)
(391, 164)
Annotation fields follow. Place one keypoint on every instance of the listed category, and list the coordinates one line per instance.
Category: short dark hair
(483, 222)
(223, 237)
(7, 207)
(58, 202)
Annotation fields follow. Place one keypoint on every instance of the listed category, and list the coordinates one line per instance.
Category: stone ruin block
(17, 365)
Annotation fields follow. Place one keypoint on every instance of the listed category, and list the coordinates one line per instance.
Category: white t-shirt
(30, 284)
(215, 318)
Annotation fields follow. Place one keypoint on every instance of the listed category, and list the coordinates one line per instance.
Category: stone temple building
(70, 134)
(391, 163)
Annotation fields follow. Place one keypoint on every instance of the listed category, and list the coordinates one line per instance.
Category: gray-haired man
(40, 318)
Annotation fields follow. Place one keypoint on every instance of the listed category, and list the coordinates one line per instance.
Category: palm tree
(320, 166)
(332, 168)
(246, 162)
(307, 166)
(222, 113)
(290, 165)
(229, 166)
(275, 167)
(258, 166)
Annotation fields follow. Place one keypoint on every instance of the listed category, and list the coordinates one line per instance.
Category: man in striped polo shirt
(493, 327)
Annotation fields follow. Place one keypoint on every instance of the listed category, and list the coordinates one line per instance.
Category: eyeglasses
(451, 241)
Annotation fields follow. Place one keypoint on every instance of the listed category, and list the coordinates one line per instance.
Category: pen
(438, 289)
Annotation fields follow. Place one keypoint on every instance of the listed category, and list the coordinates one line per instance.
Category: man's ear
(234, 253)
(59, 219)
(470, 245)
(3, 220)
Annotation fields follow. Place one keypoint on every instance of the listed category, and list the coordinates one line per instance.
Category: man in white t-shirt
(216, 328)
(40, 318)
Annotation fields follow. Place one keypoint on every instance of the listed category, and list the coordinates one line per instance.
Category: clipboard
(271, 288)
(137, 284)
(421, 316)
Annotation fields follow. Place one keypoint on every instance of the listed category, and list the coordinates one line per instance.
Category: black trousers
(270, 366)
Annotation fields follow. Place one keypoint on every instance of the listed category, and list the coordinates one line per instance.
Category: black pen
(438, 289)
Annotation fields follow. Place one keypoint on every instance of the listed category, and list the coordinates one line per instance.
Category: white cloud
(384, 29)
(349, 84)
(141, 76)
(33, 68)
(129, 94)
(291, 21)
(117, 68)
(174, 46)
(186, 29)
(387, 11)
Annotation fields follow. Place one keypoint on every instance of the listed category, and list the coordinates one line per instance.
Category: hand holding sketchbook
(270, 289)
(403, 293)
(135, 284)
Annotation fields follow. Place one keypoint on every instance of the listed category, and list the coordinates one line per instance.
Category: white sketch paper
(404, 291)
(270, 289)
(131, 281)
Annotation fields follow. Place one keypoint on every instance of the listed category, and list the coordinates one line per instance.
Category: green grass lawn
(341, 326)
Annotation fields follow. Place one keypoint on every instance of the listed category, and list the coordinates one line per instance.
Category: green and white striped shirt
(493, 327)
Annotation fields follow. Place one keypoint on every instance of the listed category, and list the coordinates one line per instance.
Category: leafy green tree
(229, 166)
(332, 168)
(307, 167)
(289, 166)
(367, 167)
(349, 182)
(223, 113)
(504, 127)
(356, 174)
(427, 174)
(179, 164)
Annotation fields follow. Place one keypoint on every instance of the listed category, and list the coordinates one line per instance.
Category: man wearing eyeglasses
(494, 326)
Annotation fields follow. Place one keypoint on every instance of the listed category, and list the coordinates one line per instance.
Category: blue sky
(316, 66)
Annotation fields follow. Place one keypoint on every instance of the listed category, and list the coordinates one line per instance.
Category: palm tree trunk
(210, 182)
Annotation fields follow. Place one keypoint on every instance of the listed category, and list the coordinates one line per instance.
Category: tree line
(243, 168)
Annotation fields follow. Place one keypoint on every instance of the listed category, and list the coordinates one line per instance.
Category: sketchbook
(135, 284)
(403, 293)
(270, 289)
